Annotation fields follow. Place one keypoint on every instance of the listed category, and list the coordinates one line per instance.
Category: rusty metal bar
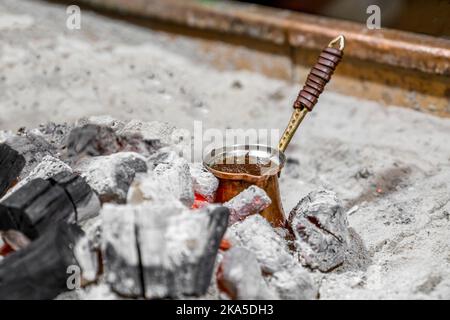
(389, 66)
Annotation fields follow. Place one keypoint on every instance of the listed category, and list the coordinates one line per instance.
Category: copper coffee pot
(233, 183)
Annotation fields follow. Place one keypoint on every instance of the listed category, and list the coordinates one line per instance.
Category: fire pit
(117, 213)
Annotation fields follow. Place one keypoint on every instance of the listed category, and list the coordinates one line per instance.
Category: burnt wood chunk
(11, 164)
(40, 271)
(178, 252)
(33, 148)
(92, 140)
(121, 255)
(35, 207)
(85, 202)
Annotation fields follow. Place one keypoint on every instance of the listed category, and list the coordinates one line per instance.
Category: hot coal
(35, 207)
(39, 271)
(204, 182)
(11, 165)
(320, 226)
(14, 239)
(250, 201)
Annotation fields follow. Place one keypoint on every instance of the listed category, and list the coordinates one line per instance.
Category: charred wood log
(85, 202)
(157, 250)
(178, 256)
(11, 164)
(35, 207)
(39, 271)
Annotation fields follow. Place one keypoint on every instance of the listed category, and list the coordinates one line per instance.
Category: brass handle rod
(318, 77)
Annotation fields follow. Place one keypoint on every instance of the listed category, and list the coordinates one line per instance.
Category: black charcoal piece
(85, 202)
(34, 207)
(11, 165)
(92, 140)
(33, 148)
(40, 271)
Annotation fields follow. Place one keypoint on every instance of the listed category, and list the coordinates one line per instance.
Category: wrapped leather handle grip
(319, 76)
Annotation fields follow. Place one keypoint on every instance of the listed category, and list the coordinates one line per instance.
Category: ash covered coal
(148, 241)
(153, 239)
(251, 201)
(322, 234)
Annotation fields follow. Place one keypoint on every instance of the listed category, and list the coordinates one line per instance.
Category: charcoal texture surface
(48, 167)
(111, 176)
(11, 165)
(257, 235)
(250, 201)
(39, 271)
(35, 207)
(320, 225)
(85, 202)
(92, 140)
(157, 250)
(33, 148)
(205, 183)
(178, 253)
(240, 276)
(121, 253)
(169, 179)
(293, 283)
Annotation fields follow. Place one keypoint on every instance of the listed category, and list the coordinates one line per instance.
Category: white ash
(103, 120)
(357, 257)
(110, 176)
(87, 258)
(153, 131)
(293, 283)
(320, 227)
(47, 168)
(54, 133)
(257, 235)
(250, 201)
(102, 291)
(178, 251)
(121, 255)
(164, 155)
(177, 177)
(241, 276)
(205, 183)
(4, 135)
